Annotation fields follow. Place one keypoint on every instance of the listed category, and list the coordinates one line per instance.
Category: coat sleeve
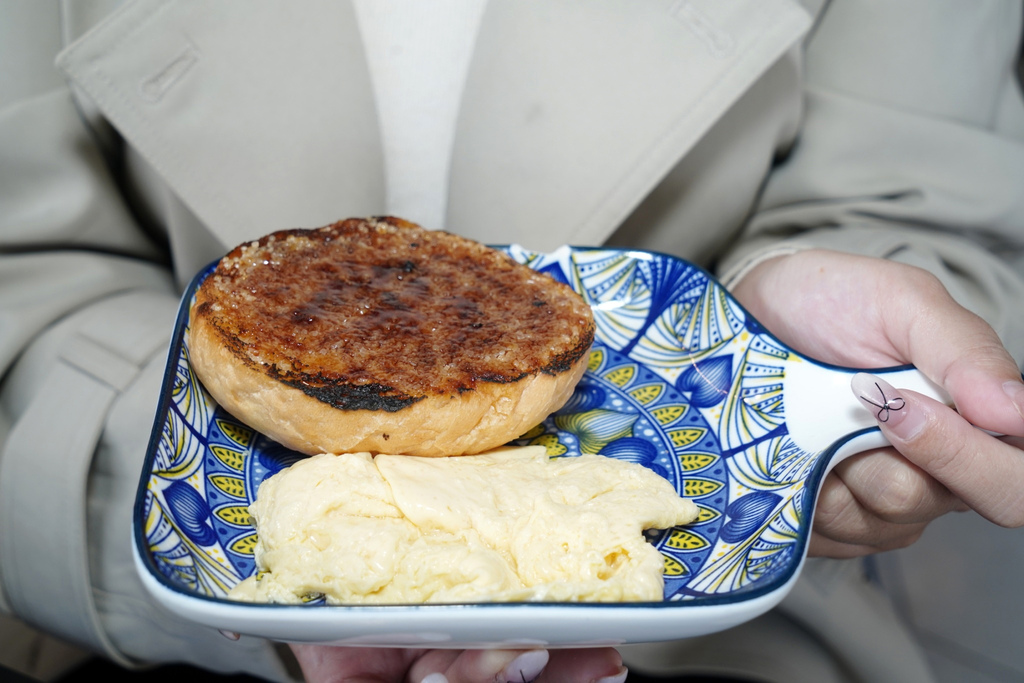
(87, 303)
(912, 149)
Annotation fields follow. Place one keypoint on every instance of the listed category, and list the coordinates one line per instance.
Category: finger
(431, 666)
(970, 362)
(323, 664)
(479, 666)
(988, 397)
(822, 546)
(599, 665)
(984, 472)
(586, 665)
(894, 490)
(844, 528)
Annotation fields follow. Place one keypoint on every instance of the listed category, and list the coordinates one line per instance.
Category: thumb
(962, 353)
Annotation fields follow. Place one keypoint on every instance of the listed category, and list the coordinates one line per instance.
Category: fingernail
(1015, 391)
(435, 678)
(617, 678)
(890, 409)
(525, 667)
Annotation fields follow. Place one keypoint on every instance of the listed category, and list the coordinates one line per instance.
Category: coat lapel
(575, 109)
(176, 78)
(572, 112)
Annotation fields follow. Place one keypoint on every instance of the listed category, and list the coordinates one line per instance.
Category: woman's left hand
(870, 313)
(323, 664)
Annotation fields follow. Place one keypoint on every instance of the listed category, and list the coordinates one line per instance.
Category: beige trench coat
(171, 130)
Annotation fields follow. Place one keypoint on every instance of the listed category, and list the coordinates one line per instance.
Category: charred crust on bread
(355, 396)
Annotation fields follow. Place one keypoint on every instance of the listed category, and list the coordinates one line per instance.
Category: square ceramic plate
(680, 380)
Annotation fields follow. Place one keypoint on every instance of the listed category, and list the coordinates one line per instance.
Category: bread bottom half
(466, 423)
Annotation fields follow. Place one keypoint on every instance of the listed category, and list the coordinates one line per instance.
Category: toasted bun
(378, 335)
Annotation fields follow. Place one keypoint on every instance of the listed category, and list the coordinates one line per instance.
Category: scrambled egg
(509, 525)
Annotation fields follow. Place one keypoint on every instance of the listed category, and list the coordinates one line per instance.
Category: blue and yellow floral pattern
(680, 380)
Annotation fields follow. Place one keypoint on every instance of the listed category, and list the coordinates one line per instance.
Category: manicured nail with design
(525, 667)
(890, 409)
(617, 678)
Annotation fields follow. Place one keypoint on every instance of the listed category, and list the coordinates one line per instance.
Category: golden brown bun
(378, 335)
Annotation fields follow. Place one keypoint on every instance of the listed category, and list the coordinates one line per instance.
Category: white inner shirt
(418, 54)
